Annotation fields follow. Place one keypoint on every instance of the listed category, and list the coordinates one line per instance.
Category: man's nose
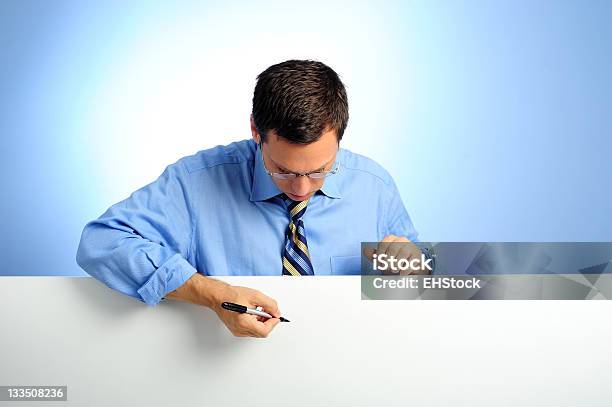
(300, 186)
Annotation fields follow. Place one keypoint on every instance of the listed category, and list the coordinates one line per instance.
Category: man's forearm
(200, 290)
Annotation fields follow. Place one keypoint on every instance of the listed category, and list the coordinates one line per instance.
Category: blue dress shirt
(218, 213)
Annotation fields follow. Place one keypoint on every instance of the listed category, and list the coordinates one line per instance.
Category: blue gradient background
(493, 117)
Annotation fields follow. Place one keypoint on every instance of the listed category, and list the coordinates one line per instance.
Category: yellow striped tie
(296, 258)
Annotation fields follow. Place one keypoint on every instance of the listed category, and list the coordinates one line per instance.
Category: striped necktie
(296, 259)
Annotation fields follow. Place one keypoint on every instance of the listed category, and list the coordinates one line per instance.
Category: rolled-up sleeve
(398, 222)
(139, 246)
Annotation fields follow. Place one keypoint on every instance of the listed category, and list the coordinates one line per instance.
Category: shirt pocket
(345, 265)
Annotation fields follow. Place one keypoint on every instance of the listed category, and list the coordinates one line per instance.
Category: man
(288, 202)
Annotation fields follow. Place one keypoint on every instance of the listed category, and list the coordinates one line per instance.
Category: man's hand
(400, 248)
(211, 293)
(246, 324)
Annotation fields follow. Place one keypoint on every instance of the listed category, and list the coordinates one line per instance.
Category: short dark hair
(299, 99)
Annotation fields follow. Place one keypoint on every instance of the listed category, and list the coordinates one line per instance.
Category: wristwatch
(429, 253)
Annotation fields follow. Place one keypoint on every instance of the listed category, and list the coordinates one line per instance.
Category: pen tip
(284, 319)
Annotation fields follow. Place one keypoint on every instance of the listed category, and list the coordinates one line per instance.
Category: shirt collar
(264, 187)
(330, 187)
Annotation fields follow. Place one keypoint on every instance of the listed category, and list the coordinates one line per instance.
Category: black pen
(230, 306)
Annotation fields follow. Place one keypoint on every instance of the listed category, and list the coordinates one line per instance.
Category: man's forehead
(301, 157)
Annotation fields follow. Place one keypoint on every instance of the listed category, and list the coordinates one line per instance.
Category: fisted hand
(400, 248)
(246, 324)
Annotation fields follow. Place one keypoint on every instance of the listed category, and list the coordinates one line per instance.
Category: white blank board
(338, 350)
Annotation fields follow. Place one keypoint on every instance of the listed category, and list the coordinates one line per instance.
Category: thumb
(369, 252)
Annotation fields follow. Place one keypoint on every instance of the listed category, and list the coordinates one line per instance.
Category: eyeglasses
(285, 176)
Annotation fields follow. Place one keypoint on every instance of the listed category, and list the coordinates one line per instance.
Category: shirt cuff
(167, 278)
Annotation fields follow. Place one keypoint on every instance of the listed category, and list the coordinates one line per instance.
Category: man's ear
(254, 131)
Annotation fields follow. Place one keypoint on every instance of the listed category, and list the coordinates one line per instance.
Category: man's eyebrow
(321, 168)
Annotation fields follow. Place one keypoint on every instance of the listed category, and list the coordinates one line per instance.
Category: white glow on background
(187, 85)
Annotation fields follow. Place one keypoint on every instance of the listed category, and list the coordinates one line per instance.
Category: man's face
(282, 156)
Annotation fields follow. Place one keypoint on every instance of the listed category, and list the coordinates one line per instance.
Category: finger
(368, 252)
(246, 325)
(271, 323)
(383, 245)
(408, 251)
(396, 246)
(240, 325)
(422, 270)
(262, 329)
(269, 304)
(412, 253)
